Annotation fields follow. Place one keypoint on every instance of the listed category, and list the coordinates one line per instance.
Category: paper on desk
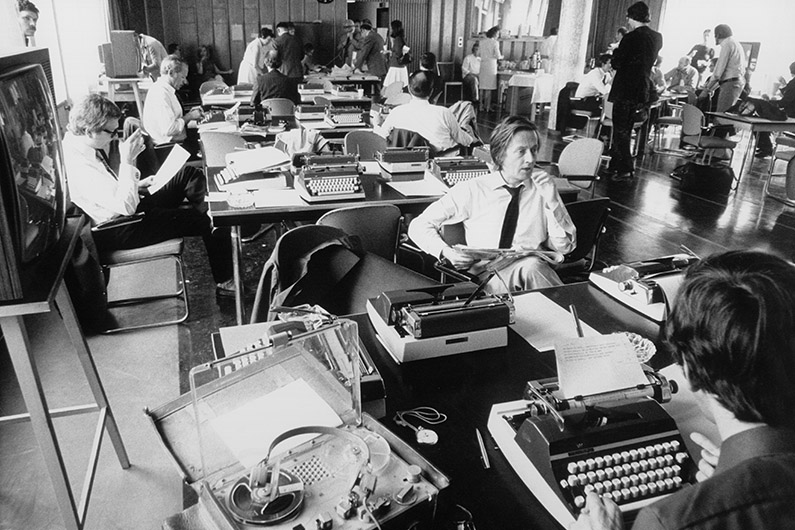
(249, 430)
(592, 365)
(281, 197)
(173, 163)
(541, 322)
(253, 160)
(235, 338)
(427, 187)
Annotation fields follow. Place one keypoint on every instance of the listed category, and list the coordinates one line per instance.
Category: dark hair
(639, 11)
(91, 114)
(272, 59)
(475, 46)
(553, 31)
(172, 48)
(602, 59)
(428, 62)
(723, 31)
(397, 29)
(491, 32)
(265, 33)
(732, 328)
(366, 26)
(26, 5)
(421, 84)
(622, 30)
(283, 25)
(504, 131)
(309, 47)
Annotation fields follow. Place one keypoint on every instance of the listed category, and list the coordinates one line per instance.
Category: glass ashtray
(644, 348)
(240, 200)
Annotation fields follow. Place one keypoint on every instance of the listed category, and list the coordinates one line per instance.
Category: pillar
(569, 54)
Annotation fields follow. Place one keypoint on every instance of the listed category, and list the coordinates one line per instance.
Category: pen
(483, 454)
(577, 325)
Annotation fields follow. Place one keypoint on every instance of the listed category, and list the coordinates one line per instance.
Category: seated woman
(104, 193)
(206, 68)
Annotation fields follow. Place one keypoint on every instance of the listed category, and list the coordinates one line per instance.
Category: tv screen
(31, 164)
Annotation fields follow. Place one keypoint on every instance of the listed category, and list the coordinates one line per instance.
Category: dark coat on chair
(275, 84)
(291, 52)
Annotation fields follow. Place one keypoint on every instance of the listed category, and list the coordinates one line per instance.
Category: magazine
(498, 258)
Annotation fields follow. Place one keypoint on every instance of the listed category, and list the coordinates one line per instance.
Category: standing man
(349, 42)
(28, 18)
(152, 54)
(291, 52)
(371, 54)
(631, 90)
(729, 75)
(701, 54)
(163, 118)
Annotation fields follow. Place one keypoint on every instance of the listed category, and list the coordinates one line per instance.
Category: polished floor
(650, 217)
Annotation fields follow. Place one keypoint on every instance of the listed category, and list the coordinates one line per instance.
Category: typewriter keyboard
(632, 476)
(214, 116)
(451, 178)
(334, 186)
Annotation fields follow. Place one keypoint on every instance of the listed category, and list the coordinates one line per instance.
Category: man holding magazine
(516, 207)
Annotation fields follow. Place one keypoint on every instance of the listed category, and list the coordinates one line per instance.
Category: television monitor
(33, 196)
(121, 56)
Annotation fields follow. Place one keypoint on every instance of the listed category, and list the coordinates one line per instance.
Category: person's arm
(425, 231)
(562, 234)
(364, 52)
(692, 78)
(459, 135)
(717, 73)
(466, 68)
(669, 76)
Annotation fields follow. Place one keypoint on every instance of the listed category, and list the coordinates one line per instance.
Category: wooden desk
(224, 215)
(139, 87)
(755, 124)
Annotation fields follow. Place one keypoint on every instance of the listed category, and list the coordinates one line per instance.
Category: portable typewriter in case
(403, 163)
(621, 443)
(311, 89)
(346, 116)
(280, 441)
(341, 89)
(455, 169)
(330, 178)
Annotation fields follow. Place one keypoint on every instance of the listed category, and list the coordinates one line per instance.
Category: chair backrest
(790, 180)
(447, 71)
(376, 225)
(279, 106)
(207, 86)
(401, 98)
(581, 158)
(216, 145)
(363, 143)
(692, 120)
(322, 100)
(589, 217)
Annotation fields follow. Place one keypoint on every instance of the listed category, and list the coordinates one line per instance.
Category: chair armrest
(119, 221)
(445, 267)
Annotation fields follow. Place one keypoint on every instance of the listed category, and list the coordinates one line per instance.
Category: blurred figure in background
(253, 62)
(470, 69)
(398, 71)
(489, 56)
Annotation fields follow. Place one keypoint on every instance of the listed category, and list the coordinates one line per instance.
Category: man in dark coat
(291, 52)
(274, 84)
(632, 90)
(371, 53)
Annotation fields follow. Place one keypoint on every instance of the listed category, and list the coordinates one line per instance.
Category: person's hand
(457, 259)
(194, 114)
(145, 183)
(709, 456)
(546, 185)
(598, 514)
(130, 148)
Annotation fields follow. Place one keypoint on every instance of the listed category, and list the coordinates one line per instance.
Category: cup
(360, 92)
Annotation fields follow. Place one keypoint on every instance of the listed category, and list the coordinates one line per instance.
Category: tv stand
(44, 293)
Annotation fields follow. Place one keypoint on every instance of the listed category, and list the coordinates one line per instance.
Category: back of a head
(428, 62)
(722, 31)
(420, 85)
(639, 11)
(282, 27)
(732, 328)
(265, 33)
(272, 60)
(492, 32)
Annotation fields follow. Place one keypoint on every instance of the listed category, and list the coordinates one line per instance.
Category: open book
(500, 257)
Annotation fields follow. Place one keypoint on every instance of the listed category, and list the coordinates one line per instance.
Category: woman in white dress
(397, 62)
(489, 55)
(253, 62)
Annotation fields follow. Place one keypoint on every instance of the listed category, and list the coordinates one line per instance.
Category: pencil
(577, 325)
(483, 454)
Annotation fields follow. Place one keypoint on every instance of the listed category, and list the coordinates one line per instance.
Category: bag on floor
(704, 180)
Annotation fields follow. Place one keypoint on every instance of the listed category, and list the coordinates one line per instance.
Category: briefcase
(703, 180)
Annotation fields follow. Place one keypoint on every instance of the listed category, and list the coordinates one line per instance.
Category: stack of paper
(254, 160)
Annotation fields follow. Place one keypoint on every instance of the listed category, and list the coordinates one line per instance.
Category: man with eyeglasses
(105, 192)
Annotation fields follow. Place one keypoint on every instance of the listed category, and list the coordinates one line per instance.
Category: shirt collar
(163, 80)
(752, 443)
(76, 143)
(495, 181)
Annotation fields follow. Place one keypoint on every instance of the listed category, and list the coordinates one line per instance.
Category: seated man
(104, 193)
(594, 86)
(731, 330)
(683, 78)
(764, 146)
(434, 123)
(163, 118)
(273, 83)
(514, 207)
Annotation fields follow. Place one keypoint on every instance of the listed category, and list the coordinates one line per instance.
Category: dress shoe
(763, 153)
(225, 289)
(624, 176)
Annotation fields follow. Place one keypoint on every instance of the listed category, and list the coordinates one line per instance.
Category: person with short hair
(731, 331)
(162, 117)
(594, 86)
(620, 32)
(291, 51)
(482, 203)
(435, 123)
(371, 54)
(28, 17)
(308, 62)
(683, 78)
(728, 78)
(470, 70)
(701, 54)
(253, 63)
(348, 44)
(429, 66)
(274, 84)
(105, 193)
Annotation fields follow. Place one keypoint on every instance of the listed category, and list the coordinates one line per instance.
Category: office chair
(215, 145)
(378, 226)
(363, 143)
(787, 141)
(693, 133)
(212, 84)
(279, 106)
(392, 89)
(406, 138)
(322, 100)
(447, 71)
(589, 217)
(789, 197)
(578, 165)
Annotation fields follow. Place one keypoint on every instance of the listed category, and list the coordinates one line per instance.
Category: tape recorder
(281, 443)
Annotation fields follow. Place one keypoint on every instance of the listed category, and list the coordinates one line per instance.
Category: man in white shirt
(594, 86)
(683, 78)
(433, 122)
(540, 220)
(729, 74)
(470, 70)
(163, 118)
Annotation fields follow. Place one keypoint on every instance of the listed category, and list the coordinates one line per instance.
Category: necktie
(103, 157)
(511, 217)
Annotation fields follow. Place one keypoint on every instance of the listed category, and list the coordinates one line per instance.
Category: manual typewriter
(441, 320)
(455, 169)
(338, 89)
(330, 178)
(345, 116)
(311, 89)
(403, 163)
(621, 443)
(310, 112)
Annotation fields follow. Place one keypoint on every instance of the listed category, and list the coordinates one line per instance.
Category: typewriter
(213, 116)
(330, 178)
(310, 112)
(345, 116)
(311, 89)
(619, 443)
(442, 320)
(403, 163)
(338, 89)
(454, 169)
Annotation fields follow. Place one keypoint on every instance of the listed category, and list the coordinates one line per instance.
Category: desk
(139, 86)
(244, 98)
(223, 215)
(466, 386)
(367, 82)
(755, 124)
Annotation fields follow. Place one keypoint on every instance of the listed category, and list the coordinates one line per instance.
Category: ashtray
(644, 348)
(240, 200)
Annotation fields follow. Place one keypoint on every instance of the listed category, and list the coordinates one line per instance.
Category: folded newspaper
(498, 258)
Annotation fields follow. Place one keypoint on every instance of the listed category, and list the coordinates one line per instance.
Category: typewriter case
(325, 467)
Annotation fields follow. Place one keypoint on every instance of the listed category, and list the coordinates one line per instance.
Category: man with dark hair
(371, 54)
(728, 78)
(594, 86)
(428, 65)
(631, 91)
(28, 18)
(731, 330)
(516, 206)
(274, 84)
(253, 63)
(435, 123)
(291, 52)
